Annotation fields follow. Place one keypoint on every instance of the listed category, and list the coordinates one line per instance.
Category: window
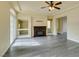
(48, 24)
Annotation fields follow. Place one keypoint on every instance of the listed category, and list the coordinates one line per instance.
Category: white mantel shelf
(22, 29)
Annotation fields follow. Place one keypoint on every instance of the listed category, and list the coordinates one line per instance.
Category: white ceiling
(34, 7)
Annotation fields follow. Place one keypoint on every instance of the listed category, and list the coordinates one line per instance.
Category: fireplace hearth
(39, 31)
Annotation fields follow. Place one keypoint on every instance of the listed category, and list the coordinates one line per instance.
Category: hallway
(50, 46)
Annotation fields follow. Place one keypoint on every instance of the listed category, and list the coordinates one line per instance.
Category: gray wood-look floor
(49, 46)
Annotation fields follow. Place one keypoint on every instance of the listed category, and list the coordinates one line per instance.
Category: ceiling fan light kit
(52, 5)
(51, 8)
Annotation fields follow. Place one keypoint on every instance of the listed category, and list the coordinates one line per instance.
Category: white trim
(72, 40)
(22, 29)
(23, 36)
(49, 33)
(5, 51)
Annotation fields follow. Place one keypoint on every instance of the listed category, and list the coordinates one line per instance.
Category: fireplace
(39, 31)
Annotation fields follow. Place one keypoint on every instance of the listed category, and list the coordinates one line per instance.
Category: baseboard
(50, 34)
(73, 40)
(54, 33)
(2, 55)
(8, 48)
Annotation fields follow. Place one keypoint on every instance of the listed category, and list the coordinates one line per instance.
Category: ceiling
(34, 7)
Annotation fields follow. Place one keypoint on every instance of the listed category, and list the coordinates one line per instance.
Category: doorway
(49, 26)
(62, 26)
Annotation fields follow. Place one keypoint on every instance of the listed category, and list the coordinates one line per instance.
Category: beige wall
(60, 24)
(39, 22)
(4, 27)
(72, 23)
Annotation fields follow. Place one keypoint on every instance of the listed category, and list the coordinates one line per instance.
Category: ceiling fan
(52, 5)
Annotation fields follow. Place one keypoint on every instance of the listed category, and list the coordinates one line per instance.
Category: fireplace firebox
(39, 31)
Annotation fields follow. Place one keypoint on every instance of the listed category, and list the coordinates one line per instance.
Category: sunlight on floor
(28, 43)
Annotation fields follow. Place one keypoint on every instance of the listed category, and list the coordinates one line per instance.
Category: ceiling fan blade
(47, 2)
(44, 7)
(57, 8)
(58, 3)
